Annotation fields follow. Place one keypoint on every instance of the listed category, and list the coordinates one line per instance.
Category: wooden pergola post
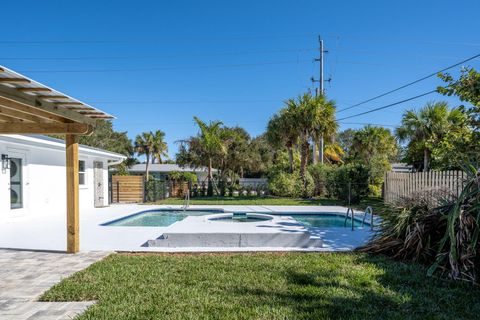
(73, 228)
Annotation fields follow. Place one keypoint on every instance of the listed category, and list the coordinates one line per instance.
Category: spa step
(289, 240)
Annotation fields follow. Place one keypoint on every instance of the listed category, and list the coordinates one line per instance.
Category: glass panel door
(16, 183)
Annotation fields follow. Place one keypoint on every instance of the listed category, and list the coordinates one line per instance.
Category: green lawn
(376, 203)
(253, 200)
(264, 286)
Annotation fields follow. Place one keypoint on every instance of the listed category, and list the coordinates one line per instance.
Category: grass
(250, 200)
(264, 286)
(375, 202)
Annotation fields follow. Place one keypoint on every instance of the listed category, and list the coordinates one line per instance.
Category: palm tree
(427, 126)
(282, 131)
(144, 146)
(315, 118)
(160, 147)
(210, 139)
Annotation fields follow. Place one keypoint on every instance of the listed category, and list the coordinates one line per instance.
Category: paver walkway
(25, 275)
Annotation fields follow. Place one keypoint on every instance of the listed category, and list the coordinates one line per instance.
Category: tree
(282, 131)
(144, 145)
(159, 147)
(315, 118)
(425, 128)
(210, 140)
(467, 89)
(105, 137)
(375, 148)
(372, 142)
(345, 140)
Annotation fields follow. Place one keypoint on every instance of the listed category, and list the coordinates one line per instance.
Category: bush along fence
(129, 189)
(399, 185)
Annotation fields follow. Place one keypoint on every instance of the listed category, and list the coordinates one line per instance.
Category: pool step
(242, 240)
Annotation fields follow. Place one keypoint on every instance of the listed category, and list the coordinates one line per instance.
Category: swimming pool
(166, 217)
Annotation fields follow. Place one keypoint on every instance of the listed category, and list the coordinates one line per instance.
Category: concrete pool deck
(43, 232)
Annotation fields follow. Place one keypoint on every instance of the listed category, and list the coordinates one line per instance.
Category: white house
(33, 179)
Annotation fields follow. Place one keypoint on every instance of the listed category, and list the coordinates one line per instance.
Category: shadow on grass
(399, 292)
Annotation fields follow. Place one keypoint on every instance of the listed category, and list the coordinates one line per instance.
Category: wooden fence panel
(399, 184)
(127, 189)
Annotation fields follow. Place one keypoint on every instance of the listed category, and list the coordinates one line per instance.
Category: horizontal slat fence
(401, 184)
(127, 189)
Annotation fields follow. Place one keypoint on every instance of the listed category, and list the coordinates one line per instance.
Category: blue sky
(156, 64)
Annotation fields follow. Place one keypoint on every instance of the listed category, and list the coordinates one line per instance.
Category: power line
(157, 56)
(389, 105)
(182, 101)
(168, 68)
(410, 83)
(368, 123)
(161, 39)
(241, 122)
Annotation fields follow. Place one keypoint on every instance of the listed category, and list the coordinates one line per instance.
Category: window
(81, 173)
(16, 183)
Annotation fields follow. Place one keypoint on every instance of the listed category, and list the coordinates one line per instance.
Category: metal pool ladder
(350, 211)
(369, 210)
(186, 201)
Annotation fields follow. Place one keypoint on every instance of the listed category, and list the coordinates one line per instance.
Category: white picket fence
(399, 184)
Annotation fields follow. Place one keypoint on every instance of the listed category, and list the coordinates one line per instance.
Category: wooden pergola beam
(34, 89)
(68, 103)
(27, 112)
(46, 128)
(45, 106)
(14, 80)
(21, 115)
(9, 119)
(41, 96)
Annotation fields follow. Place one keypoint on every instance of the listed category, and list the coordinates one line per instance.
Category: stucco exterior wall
(44, 179)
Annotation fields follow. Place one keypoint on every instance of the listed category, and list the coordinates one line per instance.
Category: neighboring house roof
(401, 167)
(58, 144)
(160, 167)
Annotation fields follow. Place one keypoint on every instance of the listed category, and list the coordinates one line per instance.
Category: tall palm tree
(159, 147)
(212, 144)
(282, 131)
(427, 126)
(144, 146)
(315, 118)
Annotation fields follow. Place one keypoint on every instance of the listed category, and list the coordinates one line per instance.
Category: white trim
(55, 144)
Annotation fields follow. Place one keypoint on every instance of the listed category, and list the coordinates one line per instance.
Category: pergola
(29, 107)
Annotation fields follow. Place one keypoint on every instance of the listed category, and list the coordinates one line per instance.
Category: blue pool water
(157, 218)
(164, 218)
(325, 220)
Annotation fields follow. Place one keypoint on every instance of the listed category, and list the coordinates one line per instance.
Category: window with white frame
(82, 173)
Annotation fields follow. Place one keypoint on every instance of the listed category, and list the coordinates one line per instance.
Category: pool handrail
(369, 209)
(186, 201)
(353, 217)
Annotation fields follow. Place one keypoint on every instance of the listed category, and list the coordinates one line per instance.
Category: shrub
(183, 176)
(155, 189)
(355, 175)
(444, 237)
(284, 184)
(321, 174)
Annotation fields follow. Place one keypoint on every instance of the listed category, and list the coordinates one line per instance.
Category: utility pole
(319, 91)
